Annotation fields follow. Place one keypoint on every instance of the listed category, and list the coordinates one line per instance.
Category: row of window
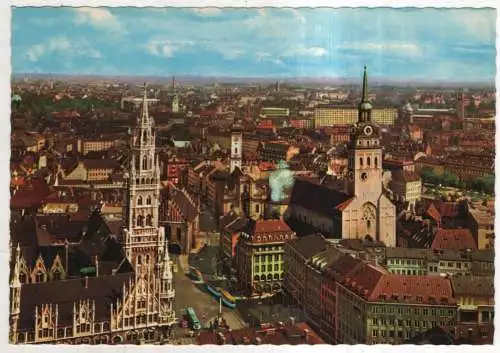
(140, 200)
(262, 268)
(404, 261)
(407, 323)
(262, 258)
(40, 277)
(269, 248)
(389, 309)
(408, 272)
(368, 161)
(268, 277)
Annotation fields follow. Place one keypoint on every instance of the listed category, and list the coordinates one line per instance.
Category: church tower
(144, 241)
(175, 99)
(365, 152)
(236, 146)
(371, 214)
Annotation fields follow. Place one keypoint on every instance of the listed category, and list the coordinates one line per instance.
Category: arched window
(139, 201)
(39, 277)
(368, 162)
(139, 260)
(149, 220)
(256, 278)
(147, 259)
(361, 161)
(269, 277)
(148, 200)
(22, 277)
(140, 221)
(376, 162)
(144, 162)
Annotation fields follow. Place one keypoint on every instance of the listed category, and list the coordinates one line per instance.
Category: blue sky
(429, 44)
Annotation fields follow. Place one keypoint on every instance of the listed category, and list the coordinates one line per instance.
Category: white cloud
(261, 56)
(167, 48)
(35, 52)
(62, 46)
(207, 11)
(278, 62)
(307, 51)
(99, 18)
(399, 48)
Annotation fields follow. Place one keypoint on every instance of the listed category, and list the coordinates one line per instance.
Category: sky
(400, 44)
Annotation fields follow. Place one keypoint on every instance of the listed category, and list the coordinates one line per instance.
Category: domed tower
(407, 113)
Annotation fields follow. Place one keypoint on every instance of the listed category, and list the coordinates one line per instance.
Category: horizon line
(281, 79)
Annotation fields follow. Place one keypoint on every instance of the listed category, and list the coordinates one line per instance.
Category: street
(193, 295)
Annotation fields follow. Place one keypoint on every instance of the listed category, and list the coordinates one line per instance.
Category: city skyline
(395, 44)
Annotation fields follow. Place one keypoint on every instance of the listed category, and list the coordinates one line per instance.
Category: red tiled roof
(376, 284)
(30, 196)
(270, 226)
(453, 239)
(434, 213)
(418, 289)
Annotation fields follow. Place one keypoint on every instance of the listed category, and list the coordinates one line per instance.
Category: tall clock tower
(369, 213)
(365, 152)
(236, 146)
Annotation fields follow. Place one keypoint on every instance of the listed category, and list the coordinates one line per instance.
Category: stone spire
(365, 107)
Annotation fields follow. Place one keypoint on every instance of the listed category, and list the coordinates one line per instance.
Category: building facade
(259, 257)
(331, 115)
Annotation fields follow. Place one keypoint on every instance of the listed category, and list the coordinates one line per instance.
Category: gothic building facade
(101, 288)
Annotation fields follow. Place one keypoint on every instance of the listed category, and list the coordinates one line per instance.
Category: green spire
(364, 96)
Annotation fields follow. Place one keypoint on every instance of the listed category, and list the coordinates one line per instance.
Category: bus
(227, 299)
(195, 274)
(193, 320)
(215, 292)
(227, 295)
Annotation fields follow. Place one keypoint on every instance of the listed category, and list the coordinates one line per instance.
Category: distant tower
(143, 239)
(175, 100)
(277, 86)
(461, 106)
(236, 146)
(407, 113)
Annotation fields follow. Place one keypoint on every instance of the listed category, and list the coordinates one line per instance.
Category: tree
(450, 179)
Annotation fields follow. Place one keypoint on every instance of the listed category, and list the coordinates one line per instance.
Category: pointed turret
(365, 107)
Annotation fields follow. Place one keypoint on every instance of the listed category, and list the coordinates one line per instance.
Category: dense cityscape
(208, 211)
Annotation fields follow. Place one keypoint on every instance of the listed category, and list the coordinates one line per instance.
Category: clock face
(368, 130)
(364, 176)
